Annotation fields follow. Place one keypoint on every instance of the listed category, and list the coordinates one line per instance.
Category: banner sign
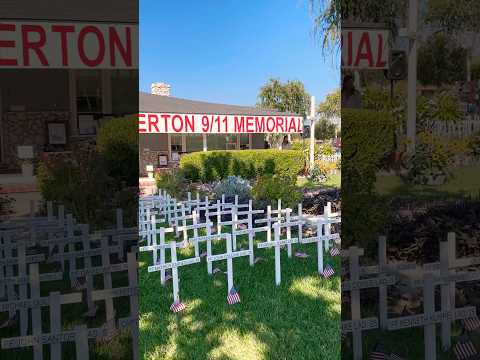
(217, 124)
(52, 45)
(365, 49)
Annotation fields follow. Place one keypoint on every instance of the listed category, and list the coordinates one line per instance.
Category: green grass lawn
(333, 181)
(465, 181)
(300, 319)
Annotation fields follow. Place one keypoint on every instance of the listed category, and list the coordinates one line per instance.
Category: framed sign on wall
(57, 133)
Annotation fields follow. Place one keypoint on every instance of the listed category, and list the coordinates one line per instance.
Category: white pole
(250, 233)
(278, 273)
(162, 255)
(319, 248)
(176, 297)
(229, 264)
(204, 140)
(412, 74)
(312, 132)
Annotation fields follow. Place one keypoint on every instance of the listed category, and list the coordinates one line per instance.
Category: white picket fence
(330, 158)
(457, 130)
(182, 219)
(57, 238)
(445, 273)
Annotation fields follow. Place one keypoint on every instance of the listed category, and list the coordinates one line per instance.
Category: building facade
(58, 92)
(164, 149)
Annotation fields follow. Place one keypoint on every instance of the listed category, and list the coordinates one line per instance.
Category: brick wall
(27, 128)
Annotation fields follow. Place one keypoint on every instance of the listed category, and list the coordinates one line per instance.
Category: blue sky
(225, 50)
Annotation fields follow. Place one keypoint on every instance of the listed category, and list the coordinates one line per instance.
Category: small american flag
(334, 251)
(203, 254)
(471, 324)
(168, 277)
(301, 255)
(233, 296)
(378, 353)
(177, 307)
(464, 350)
(328, 271)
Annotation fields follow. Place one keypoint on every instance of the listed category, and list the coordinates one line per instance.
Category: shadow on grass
(298, 320)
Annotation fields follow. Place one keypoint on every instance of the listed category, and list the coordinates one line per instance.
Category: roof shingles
(169, 104)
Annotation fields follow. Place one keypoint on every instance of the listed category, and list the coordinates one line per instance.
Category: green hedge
(368, 137)
(217, 165)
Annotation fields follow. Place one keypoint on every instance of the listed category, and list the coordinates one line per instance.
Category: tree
(331, 106)
(441, 61)
(324, 129)
(288, 97)
(460, 18)
(329, 15)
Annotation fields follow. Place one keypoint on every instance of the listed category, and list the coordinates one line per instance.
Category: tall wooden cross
(174, 265)
(320, 239)
(229, 256)
(277, 243)
(430, 317)
(35, 302)
(356, 325)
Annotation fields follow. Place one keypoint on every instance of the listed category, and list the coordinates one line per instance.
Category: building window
(194, 142)
(244, 141)
(176, 143)
(88, 100)
(89, 91)
(216, 142)
(124, 85)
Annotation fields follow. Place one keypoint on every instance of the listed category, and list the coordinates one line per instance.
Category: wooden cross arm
(389, 268)
(251, 231)
(84, 253)
(114, 293)
(233, 222)
(270, 244)
(197, 226)
(289, 224)
(21, 280)
(359, 325)
(437, 317)
(176, 264)
(253, 212)
(98, 270)
(30, 259)
(211, 237)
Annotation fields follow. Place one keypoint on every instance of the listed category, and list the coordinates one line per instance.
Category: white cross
(174, 265)
(277, 243)
(229, 255)
(320, 239)
(430, 317)
(251, 231)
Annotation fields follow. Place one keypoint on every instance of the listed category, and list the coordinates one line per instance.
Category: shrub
(80, 184)
(218, 165)
(367, 139)
(117, 141)
(173, 182)
(431, 160)
(322, 170)
(267, 190)
(233, 185)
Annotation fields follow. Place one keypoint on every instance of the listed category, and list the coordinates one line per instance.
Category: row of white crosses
(278, 219)
(428, 276)
(80, 334)
(62, 235)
